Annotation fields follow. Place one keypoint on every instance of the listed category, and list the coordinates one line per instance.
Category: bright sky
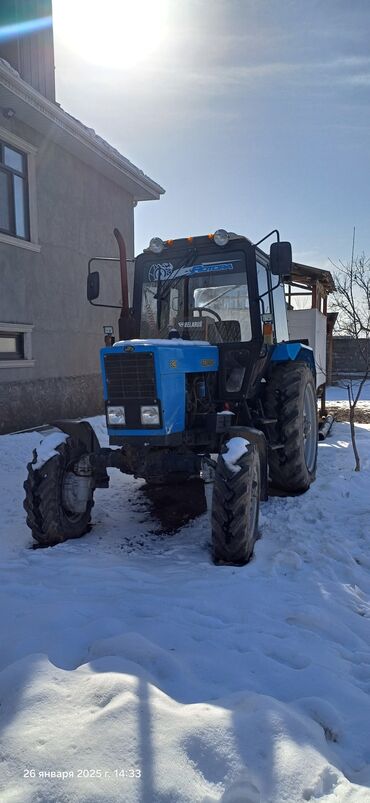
(252, 114)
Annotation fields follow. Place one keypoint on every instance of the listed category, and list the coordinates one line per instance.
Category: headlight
(221, 237)
(156, 245)
(116, 415)
(150, 415)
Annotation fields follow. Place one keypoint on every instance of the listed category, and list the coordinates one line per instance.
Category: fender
(83, 431)
(80, 430)
(295, 352)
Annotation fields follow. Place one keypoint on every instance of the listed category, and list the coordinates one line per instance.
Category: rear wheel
(235, 506)
(58, 502)
(291, 400)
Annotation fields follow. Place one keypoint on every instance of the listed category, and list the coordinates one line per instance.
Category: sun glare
(111, 33)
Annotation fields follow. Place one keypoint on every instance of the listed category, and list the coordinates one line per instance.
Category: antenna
(353, 246)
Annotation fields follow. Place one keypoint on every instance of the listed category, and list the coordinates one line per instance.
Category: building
(63, 189)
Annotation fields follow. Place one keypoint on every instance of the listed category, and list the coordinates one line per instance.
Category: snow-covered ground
(127, 653)
(337, 401)
(339, 392)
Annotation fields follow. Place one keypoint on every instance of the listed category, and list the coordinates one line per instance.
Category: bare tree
(352, 302)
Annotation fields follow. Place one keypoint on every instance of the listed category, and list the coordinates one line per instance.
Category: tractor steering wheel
(204, 309)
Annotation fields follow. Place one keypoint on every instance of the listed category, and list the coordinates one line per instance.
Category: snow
(174, 341)
(337, 400)
(9, 67)
(339, 392)
(128, 650)
(112, 153)
(47, 446)
(236, 447)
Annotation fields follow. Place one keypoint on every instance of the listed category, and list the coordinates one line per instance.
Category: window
(16, 345)
(281, 326)
(13, 192)
(11, 346)
(206, 306)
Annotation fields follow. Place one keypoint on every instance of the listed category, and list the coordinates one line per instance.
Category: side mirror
(281, 259)
(93, 285)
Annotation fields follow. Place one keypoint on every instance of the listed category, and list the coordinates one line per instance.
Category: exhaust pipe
(126, 322)
(325, 427)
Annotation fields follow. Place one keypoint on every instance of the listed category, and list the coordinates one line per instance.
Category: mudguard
(80, 430)
(83, 431)
(293, 351)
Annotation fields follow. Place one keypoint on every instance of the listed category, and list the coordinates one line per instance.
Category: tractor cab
(214, 288)
(198, 296)
(217, 289)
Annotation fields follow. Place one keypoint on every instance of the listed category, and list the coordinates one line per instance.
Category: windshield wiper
(212, 300)
(163, 290)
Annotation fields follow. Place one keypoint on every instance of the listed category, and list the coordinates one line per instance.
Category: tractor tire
(235, 508)
(291, 400)
(47, 515)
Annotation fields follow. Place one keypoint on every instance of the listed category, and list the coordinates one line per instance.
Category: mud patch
(173, 506)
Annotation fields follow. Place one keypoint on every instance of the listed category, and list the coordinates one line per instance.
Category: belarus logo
(162, 271)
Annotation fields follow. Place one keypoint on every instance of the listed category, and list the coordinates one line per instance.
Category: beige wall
(77, 209)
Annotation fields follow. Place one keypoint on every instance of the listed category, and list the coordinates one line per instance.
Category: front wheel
(235, 502)
(58, 502)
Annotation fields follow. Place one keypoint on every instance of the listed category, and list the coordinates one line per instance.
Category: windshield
(203, 302)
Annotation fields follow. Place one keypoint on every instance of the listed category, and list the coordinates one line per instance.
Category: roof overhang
(50, 120)
(308, 275)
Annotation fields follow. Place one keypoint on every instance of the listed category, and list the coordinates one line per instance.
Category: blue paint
(211, 268)
(166, 269)
(172, 363)
(287, 352)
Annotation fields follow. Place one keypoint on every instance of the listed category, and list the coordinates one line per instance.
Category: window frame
(265, 297)
(30, 152)
(10, 172)
(22, 358)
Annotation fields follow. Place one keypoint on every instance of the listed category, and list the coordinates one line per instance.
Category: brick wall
(347, 357)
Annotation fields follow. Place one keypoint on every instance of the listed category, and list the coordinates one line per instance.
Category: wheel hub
(76, 492)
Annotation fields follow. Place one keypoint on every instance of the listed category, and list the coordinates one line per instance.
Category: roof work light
(221, 237)
(156, 245)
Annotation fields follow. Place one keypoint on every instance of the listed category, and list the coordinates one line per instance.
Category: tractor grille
(130, 376)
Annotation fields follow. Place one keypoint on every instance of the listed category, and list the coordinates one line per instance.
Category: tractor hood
(153, 372)
(190, 356)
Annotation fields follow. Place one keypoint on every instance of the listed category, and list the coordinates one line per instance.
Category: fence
(347, 360)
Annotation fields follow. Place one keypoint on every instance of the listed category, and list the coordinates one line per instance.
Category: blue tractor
(203, 381)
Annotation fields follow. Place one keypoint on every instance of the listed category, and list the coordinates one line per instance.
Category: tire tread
(42, 500)
(283, 401)
(231, 542)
